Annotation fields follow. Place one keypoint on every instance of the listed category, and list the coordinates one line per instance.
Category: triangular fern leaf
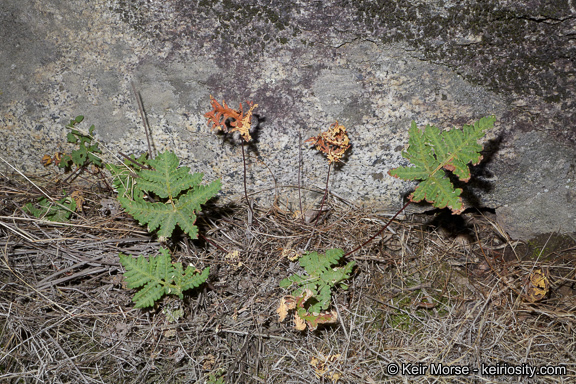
(166, 215)
(167, 180)
(154, 274)
(159, 276)
(430, 151)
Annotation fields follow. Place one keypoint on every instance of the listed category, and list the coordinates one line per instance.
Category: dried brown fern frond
(222, 117)
(334, 142)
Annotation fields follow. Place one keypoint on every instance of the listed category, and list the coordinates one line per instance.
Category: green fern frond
(59, 211)
(159, 276)
(432, 151)
(87, 151)
(166, 180)
(322, 277)
(317, 264)
(180, 192)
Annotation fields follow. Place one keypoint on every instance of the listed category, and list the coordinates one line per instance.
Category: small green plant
(173, 315)
(217, 377)
(159, 276)
(175, 193)
(86, 154)
(59, 211)
(313, 296)
(432, 151)
(176, 198)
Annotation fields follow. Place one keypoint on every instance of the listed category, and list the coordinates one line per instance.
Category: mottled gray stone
(539, 188)
(373, 65)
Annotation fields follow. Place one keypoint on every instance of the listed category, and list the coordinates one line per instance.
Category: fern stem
(245, 189)
(213, 243)
(325, 194)
(299, 175)
(76, 174)
(380, 231)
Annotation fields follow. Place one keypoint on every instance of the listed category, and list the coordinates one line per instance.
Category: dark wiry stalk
(245, 189)
(144, 119)
(380, 231)
(299, 175)
(325, 194)
(76, 174)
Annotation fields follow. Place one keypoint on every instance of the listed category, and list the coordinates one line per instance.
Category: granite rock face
(372, 65)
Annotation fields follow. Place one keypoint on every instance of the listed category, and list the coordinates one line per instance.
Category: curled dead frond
(226, 119)
(333, 142)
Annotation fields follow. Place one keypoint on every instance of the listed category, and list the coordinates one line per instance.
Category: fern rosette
(159, 276)
(313, 296)
(180, 194)
(432, 151)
